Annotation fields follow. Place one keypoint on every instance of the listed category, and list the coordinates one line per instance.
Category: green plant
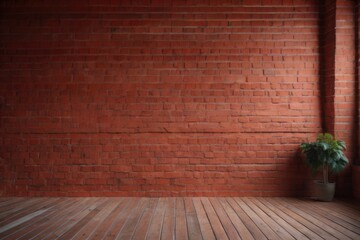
(326, 153)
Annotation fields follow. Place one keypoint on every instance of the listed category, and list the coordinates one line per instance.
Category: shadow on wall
(356, 181)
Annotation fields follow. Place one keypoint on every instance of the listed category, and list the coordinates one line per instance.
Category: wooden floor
(177, 218)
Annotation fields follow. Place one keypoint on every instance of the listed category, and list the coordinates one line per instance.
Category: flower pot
(324, 191)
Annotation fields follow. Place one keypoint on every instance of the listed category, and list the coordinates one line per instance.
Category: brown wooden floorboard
(347, 231)
(290, 231)
(204, 223)
(178, 218)
(92, 225)
(224, 219)
(181, 231)
(42, 230)
(236, 221)
(333, 229)
(248, 222)
(115, 228)
(214, 220)
(145, 220)
(169, 220)
(192, 221)
(131, 222)
(24, 230)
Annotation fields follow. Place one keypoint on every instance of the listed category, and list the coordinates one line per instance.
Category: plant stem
(325, 174)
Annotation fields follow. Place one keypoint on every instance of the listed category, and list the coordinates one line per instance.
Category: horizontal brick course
(141, 164)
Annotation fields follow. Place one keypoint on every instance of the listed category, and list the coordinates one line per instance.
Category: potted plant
(327, 154)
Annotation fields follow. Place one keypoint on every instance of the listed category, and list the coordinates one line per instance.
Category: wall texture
(356, 169)
(340, 83)
(158, 98)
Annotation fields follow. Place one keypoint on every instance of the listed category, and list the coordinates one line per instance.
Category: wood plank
(4, 199)
(10, 214)
(61, 223)
(349, 203)
(129, 226)
(178, 218)
(301, 219)
(224, 219)
(6, 204)
(181, 231)
(281, 232)
(76, 223)
(343, 206)
(329, 226)
(193, 225)
(22, 220)
(248, 222)
(281, 222)
(104, 226)
(333, 211)
(305, 220)
(144, 223)
(168, 229)
(36, 222)
(268, 232)
(204, 223)
(12, 204)
(214, 220)
(338, 210)
(120, 220)
(47, 203)
(94, 223)
(18, 202)
(342, 231)
(234, 218)
(291, 218)
(50, 224)
(154, 231)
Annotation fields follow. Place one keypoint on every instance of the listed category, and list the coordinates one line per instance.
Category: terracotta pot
(356, 181)
(324, 192)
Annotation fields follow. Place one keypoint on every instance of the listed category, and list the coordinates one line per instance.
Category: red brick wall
(157, 98)
(358, 74)
(356, 167)
(340, 80)
(328, 41)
